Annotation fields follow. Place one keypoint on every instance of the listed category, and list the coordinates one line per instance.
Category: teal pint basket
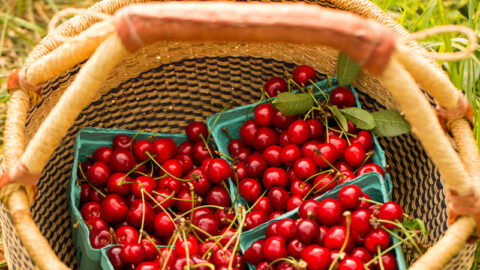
(88, 139)
(234, 118)
(370, 183)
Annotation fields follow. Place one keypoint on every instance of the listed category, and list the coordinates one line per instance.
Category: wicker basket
(159, 66)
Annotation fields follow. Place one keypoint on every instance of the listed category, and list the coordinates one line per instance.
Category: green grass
(23, 24)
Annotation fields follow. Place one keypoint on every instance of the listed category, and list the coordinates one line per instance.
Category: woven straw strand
(466, 144)
(15, 127)
(426, 126)
(77, 96)
(69, 54)
(449, 245)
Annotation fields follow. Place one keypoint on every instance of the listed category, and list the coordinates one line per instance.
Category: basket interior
(164, 98)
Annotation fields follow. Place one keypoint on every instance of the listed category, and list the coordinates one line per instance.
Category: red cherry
(172, 167)
(263, 204)
(308, 148)
(304, 168)
(364, 204)
(234, 147)
(342, 166)
(185, 245)
(371, 167)
(274, 247)
(278, 198)
(264, 115)
(122, 160)
(197, 213)
(147, 266)
(294, 202)
(290, 154)
(163, 224)
(275, 177)
(218, 196)
(100, 239)
(351, 128)
(340, 144)
(169, 183)
(185, 201)
(362, 254)
(300, 188)
(283, 139)
(342, 97)
(256, 166)
(139, 210)
(186, 161)
(181, 263)
(133, 253)
(209, 247)
(327, 152)
(316, 257)
(218, 170)
(200, 152)
(298, 132)
(126, 234)
(309, 210)
(336, 237)
(351, 263)
(349, 196)
(207, 225)
(272, 229)
(222, 257)
(142, 147)
(389, 262)
(98, 174)
(361, 221)
(377, 237)
(284, 265)
(282, 121)
(194, 130)
(150, 250)
(295, 247)
(333, 132)
(122, 141)
(164, 149)
(274, 86)
(90, 210)
(200, 182)
(307, 230)
(316, 129)
(264, 138)
(166, 258)
(329, 212)
(85, 190)
(355, 155)
(275, 215)
(116, 184)
(248, 131)
(227, 235)
(365, 139)
(186, 148)
(250, 189)
(102, 154)
(323, 183)
(390, 211)
(346, 176)
(147, 183)
(264, 266)
(98, 224)
(273, 155)
(95, 196)
(241, 171)
(286, 228)
(243, 155)
(114, 208)
(255, 218)
(115, 258)
(254, 254)
(225, 217)
(303, 75)
(291, 176)
(322, 231)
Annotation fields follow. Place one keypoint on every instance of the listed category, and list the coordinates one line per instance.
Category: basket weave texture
(166, 85)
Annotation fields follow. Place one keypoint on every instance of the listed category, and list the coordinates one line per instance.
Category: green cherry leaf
(415, 224)
(347, 70)
(340, 117)
(390, 123)
(359, 117)
(291, 104)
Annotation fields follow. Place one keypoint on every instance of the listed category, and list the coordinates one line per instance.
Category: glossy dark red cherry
(263, 204)
(274, 86)
(282, 121)
(98, 174)
(309, 210)
(329, 212)
(304, 75)
(351, 263)
(248, 131)
(304, 168)
(362, 254)
(122, 160)
(100, 239)
(275, 177)
(295, 248)
(286, 228)
(122, 141)
(264, 138)
(256, 166)
(365, 139)
(200, 182)
(138, 211)
(163, 224)
(290, 154)
(234, 147)
(185, 245)
(390, 211)
(133, 253)
(278, 198)
(149, 248)
(254, 254)
(342, 97)
(342, 166)
(250, 189)
(307, 230)
(298, 132)
(294, 202)
(361, 221)
(186, 161)
(194, 130)
(327, 153)
(114, 208)
(316, 257)
(102, 154)
(145, 183)
(141, 147)
(274, 247)
(339, 143)
(255, 218)
(207, 224)
(349, 196)
(377, 237)
(323, 183)
(273, 155)
(147, 266)
(316, 129)
(299, 187)
(336, 237)
(115, 258)
(389, 262)
(283, 139)
(119, 183)
(264, 115)
(346, 176)
(218, 170)
(90, 210)
(218, 196)
(355, 155)
(371, 167)
(126, 234)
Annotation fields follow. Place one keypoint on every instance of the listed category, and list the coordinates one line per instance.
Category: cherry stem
(209, 236)
(192, 195)
(255, 105)
(329, 171)
(329, 81)
(235, 173)
(88, 182)
(114, 235)
(225, 129)
(288, 259)
(378, 256)
(90, 227)
(326, 128)
(342, 128)
(121, 182)
(348, 216)
(171, 242)
(226, 107)
(224, 155)
(183, 234)
(257, 201)
(334, 129)
(207, 146)
(226, 188)
(209, 265)
(237, 237)
(142, 191)
(380, 262)
(163, 195)
(367, 156)
(317, 191)
(151, 241)
(314, 85)
(165, 171)
(326, 161)
(198, 207)
(404, 230)
(370, 201)
(161, 207)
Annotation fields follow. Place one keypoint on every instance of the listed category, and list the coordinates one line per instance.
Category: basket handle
(368, 43)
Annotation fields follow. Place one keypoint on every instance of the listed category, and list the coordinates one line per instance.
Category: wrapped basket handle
(365, 41)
